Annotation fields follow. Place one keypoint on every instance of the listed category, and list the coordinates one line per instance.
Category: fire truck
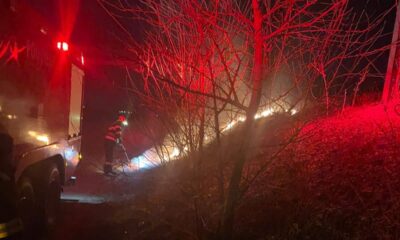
(41, 96)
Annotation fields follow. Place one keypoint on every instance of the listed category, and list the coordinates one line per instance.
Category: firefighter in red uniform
(10, 224)
(112, 138)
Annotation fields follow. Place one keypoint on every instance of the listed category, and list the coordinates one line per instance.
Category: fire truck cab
(41, 96)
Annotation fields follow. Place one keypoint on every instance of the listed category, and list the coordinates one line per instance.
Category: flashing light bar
(62, 46)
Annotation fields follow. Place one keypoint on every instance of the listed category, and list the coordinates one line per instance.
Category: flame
(151, 157)
(175, 153)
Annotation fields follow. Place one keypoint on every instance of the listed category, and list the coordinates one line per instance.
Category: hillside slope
(340, 180)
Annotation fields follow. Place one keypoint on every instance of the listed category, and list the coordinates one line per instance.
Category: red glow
(65, 46)
(68, 11)
(14, 52)
(62, 46)
(3, 49)
(11, 50)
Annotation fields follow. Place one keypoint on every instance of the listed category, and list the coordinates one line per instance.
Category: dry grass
(341, 180)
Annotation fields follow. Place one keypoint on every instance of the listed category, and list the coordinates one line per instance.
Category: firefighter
(112, 138)
(10, 224)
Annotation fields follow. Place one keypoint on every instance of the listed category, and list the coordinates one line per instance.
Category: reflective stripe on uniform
(110, 138)
(114, 131)
(10, 228)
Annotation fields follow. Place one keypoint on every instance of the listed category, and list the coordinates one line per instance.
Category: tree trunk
(391, 85)
(233, 193)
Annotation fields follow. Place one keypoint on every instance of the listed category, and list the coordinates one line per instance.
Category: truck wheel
(27, 204)
(38, 201)
(51, 195)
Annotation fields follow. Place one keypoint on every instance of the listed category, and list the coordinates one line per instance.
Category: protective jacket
(114, 132)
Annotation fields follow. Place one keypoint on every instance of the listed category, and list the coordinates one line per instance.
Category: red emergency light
(62, 46)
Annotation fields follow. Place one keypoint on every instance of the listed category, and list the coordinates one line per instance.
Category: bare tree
(210, 65)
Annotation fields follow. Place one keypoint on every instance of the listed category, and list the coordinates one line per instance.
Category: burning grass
(338, 179)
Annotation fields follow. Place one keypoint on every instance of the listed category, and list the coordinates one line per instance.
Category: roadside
(341, 181)
(88, 206)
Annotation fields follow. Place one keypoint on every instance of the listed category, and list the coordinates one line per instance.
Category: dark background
(103, 41)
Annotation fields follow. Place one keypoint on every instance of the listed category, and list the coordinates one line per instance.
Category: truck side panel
(75, 101)
(41, 88)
